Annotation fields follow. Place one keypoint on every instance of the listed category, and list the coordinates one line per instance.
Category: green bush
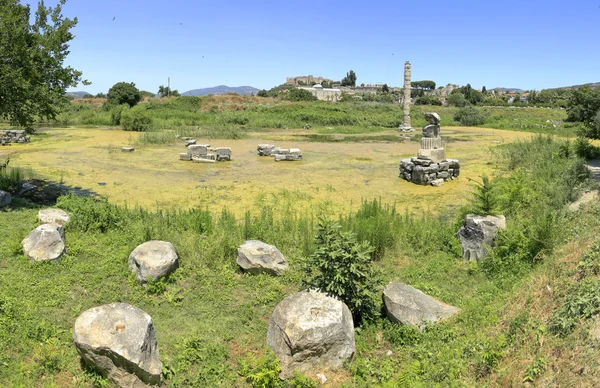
(427, 100)
(11, 179)
(116, 112)
(136, 119)
(341, 267)
(582, 302)
(300, 95)
(469, 117)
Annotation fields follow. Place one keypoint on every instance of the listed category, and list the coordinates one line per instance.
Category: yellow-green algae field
(334, 175)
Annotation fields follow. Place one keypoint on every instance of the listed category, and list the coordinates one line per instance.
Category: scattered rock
(256, 256)
(53, 216)
(27, 187)
(406, 305)
(13, 136)
(189, 142)
(265, 149)
(310, 331)
(119, 341)
(322, 378)
(477, 233)
(5, 198)
(127, 149)
(154, 260)
(185, 156)
(437, 182)
(46, 242)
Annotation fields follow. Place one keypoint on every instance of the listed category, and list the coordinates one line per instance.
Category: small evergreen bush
(136, 119)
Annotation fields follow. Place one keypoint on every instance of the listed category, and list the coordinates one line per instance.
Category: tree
(165, 91)
(123, 93)
(146, 94)
(100, 95)
(426, 84)
(33, 77)
(483, 90)
(300, 95)
(262, 93)
(457, 99)
(349, 79)
(385, 89)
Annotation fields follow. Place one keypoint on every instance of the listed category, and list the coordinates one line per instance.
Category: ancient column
(406, 126)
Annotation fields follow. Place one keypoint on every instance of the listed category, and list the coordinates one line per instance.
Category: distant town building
(306, 80)
(324, 94)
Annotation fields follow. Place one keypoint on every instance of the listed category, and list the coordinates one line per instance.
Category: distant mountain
(77, 95)
(593, 85)
(221, 89)
(508, 90)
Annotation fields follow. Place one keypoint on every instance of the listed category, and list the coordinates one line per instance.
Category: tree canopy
(426, 84)
(123, 93)
(349, 79)
(165, 91)
(33, 76)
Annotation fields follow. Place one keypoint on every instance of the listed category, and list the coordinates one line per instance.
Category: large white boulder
(310, 331)
(154, 260)
(256, 256)
(119, 341)
(406, 305)
(53, 216)
(46, 242)
(478, 233)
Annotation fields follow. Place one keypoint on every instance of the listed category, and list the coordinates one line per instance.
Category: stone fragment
(432, 117)
(203, 159)
(421, 162)
(119, 341)
(46, 242)
(185, 156)
(189, 142)
(154, 260)
(436, 182)
(265, 149)
(434, 155)
(197, 150)
(53, 216)
(256, 257)
(127, 149)
(431, 131)
(478, 233)
(5, 198)
(409, 306)
(311, 331)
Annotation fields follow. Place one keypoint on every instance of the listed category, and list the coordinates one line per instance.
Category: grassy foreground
(211, 319)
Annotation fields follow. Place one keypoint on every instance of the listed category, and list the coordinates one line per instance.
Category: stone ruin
(7, 137)
(279, 154)
(430, 167)
(199, 153)
(406, 126)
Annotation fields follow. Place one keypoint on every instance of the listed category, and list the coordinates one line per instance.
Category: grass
(211, 319)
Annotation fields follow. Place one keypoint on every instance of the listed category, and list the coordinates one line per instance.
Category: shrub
(136, 119)
(11, 179)
(427, 100)
(300, 95)
(582, 302)
(469, 116)
(342, 268)
(116, 112)
(484, 197)
(457, 99)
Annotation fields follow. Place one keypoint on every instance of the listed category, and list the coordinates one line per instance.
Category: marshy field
(521, 310)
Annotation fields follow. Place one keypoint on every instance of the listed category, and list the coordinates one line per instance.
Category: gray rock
(189, 142)
(431, 130)
(478, 233)
(256, 256)
(185, 156)
(154, 260)
(127, 149)
(5, 198)
(197, 149)
(406, 305)
(53, 216)
(46, 242)
(436, 182)
(119, 341)
(311, 331)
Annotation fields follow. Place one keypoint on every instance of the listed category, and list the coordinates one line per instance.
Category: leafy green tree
(349, 79)
(484, 197)
(146, 94)
(262, 93)
(427, 100)
(87, 95)
(33, 77)
(484, 90)
(300, 95)
(165, 91)
(457, 99)
(100, 95)
(385, 88)
(342, 268)
(123, 93)
(426, 84)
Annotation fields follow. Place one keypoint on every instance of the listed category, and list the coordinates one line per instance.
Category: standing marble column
(406, 126)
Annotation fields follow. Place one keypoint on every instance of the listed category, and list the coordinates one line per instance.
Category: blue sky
(528, 44)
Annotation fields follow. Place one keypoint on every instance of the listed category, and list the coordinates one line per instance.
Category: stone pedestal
(430, 167)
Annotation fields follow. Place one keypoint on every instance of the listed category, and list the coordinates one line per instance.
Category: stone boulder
(478, 233)
(310, 331)
(256, 256)
(406, 305)
(119, 341)
(154, 260)
(5, 198)
(432, 117)
(46, 242)
(53, 216)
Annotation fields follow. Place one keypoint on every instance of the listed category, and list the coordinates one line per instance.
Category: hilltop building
(306, 80)
(324, 94)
